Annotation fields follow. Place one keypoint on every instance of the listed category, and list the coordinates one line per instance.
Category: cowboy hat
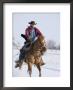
(32, 22)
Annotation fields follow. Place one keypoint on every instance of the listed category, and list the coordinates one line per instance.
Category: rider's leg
(21, 56)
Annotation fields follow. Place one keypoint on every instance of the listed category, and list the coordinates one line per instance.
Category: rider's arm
(38, 32)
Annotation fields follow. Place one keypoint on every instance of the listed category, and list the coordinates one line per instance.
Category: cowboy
(31, 33)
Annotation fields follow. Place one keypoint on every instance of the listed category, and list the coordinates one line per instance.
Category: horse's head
(41, 40)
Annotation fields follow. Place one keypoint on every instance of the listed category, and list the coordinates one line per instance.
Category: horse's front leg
(39, 71)
(39, 68)
(30, 68)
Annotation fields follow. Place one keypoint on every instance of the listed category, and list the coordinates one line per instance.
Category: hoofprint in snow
(50, 69)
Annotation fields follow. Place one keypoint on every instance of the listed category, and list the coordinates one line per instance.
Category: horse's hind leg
(39, 68)
(30, 68)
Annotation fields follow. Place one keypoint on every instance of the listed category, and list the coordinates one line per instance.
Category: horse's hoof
(43, 64)
(39, 75)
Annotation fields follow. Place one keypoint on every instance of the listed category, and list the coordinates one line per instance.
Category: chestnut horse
(34, 56)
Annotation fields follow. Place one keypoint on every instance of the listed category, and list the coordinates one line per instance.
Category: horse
(34, 55)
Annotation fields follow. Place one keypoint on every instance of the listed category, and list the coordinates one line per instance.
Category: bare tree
(51, 44)
(58, 47)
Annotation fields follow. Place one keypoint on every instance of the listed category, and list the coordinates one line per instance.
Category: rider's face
(32, 25)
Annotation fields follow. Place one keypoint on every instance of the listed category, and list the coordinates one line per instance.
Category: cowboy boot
(18, 64)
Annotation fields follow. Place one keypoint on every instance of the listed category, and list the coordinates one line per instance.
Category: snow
(50, 69)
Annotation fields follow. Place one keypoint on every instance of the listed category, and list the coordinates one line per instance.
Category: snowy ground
(50, 69)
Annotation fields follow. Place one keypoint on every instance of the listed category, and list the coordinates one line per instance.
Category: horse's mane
(37, 46)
